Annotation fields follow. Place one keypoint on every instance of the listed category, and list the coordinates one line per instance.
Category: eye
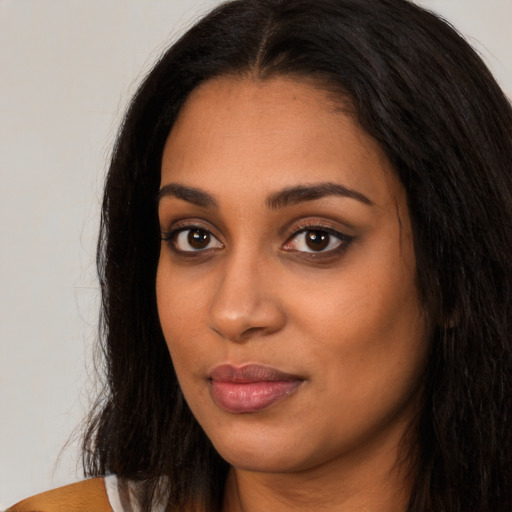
(317, 240)
(192, 239)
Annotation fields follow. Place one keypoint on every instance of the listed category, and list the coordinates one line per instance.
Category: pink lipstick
(251, 387)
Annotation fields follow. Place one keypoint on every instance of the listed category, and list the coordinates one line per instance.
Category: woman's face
(286, 282)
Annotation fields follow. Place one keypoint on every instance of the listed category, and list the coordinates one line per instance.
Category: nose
(246, 303)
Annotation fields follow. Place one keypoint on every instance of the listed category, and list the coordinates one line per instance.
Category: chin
(270, 453)
(269, 461)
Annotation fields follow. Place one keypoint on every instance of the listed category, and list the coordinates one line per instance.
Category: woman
(305, 267)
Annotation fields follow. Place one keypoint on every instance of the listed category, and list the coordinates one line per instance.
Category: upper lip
(249, 373)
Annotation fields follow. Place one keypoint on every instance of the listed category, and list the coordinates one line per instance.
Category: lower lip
(247, 397)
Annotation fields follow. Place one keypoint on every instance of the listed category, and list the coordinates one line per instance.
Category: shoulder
(86, 496)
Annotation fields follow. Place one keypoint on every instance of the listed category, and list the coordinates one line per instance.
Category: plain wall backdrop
(67, 71)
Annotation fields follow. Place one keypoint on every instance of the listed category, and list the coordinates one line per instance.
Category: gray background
(67, 70)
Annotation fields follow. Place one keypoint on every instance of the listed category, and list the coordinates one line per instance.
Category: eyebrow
(189, 194)
(281, 199)
(294, 195)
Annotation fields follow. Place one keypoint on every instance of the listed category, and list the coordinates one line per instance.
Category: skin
(346, 320)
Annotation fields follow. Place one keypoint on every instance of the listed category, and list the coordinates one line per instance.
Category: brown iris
(317, 240)
(198, 239)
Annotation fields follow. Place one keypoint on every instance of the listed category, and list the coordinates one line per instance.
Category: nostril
(237, 333)
(247, 323)
(252, 332)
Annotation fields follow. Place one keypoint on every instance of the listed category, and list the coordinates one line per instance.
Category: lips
(250, 388)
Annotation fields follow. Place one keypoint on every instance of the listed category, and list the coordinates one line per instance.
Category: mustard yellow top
(86, 496)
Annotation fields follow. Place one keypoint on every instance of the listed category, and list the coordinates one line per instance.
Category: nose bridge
(244, 304)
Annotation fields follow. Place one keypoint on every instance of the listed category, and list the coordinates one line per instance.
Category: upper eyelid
(186, 227)
(327, 229)
(316, 220)
(342, 237)
(317, 225)
(187, 223)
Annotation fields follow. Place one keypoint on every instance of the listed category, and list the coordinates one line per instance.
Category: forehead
(238, 132)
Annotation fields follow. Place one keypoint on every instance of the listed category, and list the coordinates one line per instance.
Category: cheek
(171, 310)
(181, 301)
(368, 301)
(366, 329)
(176, 293)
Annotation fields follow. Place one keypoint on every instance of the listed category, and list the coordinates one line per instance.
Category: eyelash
(171, 237)
(344, 240)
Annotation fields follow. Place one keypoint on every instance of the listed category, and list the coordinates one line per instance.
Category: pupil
(317, 240)
(198, 239)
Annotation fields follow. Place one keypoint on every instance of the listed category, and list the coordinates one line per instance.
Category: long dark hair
(419, 89)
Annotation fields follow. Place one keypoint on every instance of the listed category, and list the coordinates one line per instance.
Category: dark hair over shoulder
(419, 89)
